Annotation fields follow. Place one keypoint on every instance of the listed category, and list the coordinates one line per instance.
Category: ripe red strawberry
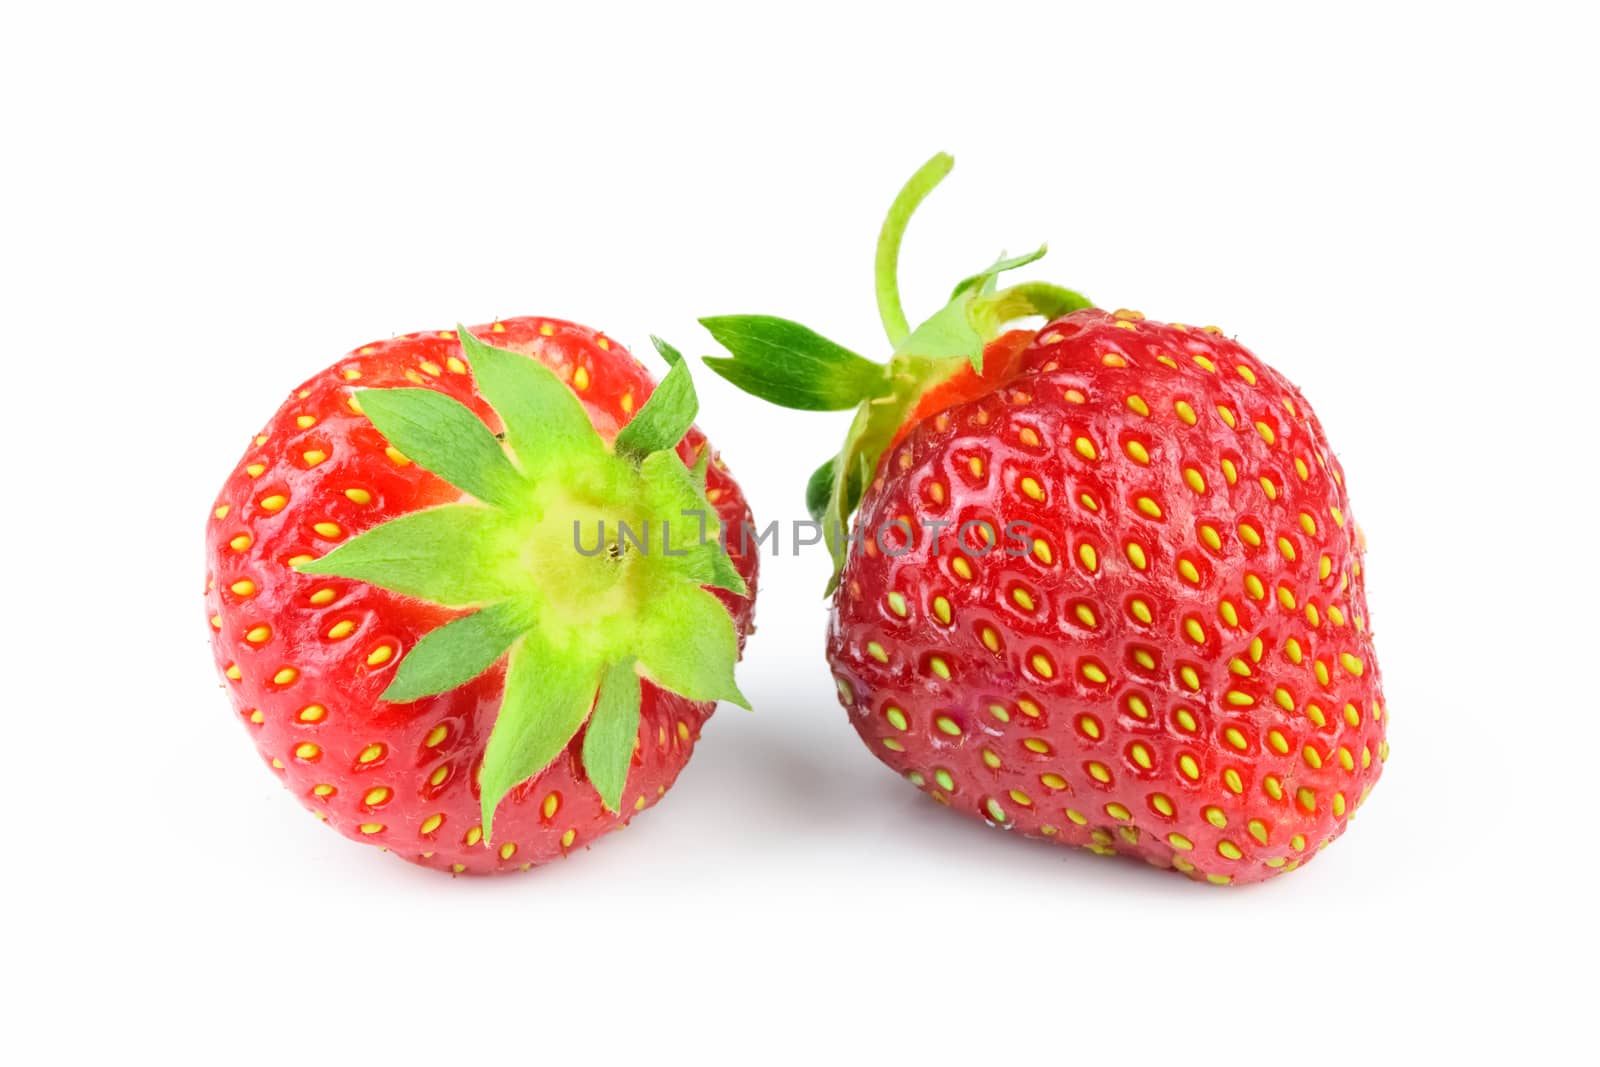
(1105, 587)
(378, 557)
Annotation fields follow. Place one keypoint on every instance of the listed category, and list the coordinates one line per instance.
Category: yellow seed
(1023, 598)
(580, 378)
(1229, 613)
(1306, 798)
(1231, 779)
(1230, 472)
(1140, 610)
(1320, 669)
(380, 655)
(1227, 416)
(1347, 759)
(341, 629)
(1148, 507)
(285, 676)
(1029, 436)
(1266, 433)
(431, 823)
(1137, 706)
(329, 530)
(1189, 571)
(241, 542)
(1090, 726)
(1209, 535)
(258, 635)
(243, 587)
(1272, 787)
(1352, 664)
(312, 713)
(1228, 850)
(897, 604)
(322, 596)
(1194, 479)
(1236, 739)
(1088, 502)
(1042, 666)
(1190, 768)
(1085, 615)
(376, 796)
(256, 470)
(1195, 632)
(947, 725)
(1163, 804)
(1352, 715)
(1286, 597)
(275, 502)
(305, 422)
(322, 790)
(1032, 488)
(1239, 667)
(1179, 841)
(1185, 412)
(1099, 772)
(1088, 557)
(305, 750)
(1140, 754)
(1085, 448)
(1246, 373)
(1092, 672)
(370, 753)
(1137, 404)
(313, 456)
(941, 608)
(1312, 757)
(962, 568)
(877, 652)
(1190, 678)
(1041, 551)
(1076, 817)
(1286, 548)
(358, 496)
(371, 828)
(1137, 452)
(1136, 555)
(474, 835)
(939, 667)
(233, 672)
(1338, 804)
(397, 457)
(439, 775)
(1249, 534)
(975, 465)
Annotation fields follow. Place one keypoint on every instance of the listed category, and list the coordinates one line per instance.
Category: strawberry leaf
(666, 416)
(548, 694)
(542, 416)
(687, 644)
(608, 741)
(789, 365)
(456, 653)
(420, 555)
(445, 437)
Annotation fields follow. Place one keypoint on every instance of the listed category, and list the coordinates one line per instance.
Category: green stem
(887, 263)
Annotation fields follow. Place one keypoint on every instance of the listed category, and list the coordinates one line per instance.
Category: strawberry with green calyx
(524, 552)
(1103, 586)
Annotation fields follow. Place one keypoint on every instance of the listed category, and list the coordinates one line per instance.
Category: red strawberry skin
(304, 658)
(1178, 664)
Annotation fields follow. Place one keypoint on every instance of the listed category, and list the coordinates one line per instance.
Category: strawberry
(1103, 587)
(415, 615)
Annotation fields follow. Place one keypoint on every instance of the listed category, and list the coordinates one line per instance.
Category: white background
(1394, 204)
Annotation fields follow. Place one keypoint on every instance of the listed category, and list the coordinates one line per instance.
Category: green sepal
(819, 487)
(949, 342)
(792, 366)
(446, 438)
(689, 645)
(613, 728)
(666, 416)
(420, 555)
(695, 551)
(548, 694)
(457, 652)
(542, 417)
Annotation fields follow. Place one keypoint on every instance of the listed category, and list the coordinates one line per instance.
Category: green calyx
(792, 366)
(587, 565)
